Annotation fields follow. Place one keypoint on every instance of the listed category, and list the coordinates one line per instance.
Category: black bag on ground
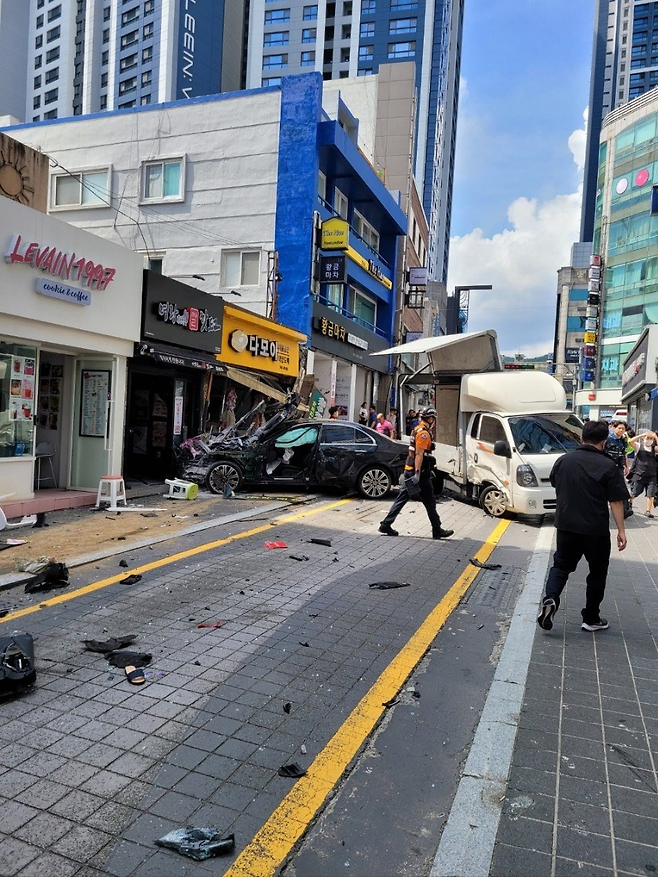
(16, 663)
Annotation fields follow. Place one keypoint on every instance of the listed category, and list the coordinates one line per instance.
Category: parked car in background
(299, 453)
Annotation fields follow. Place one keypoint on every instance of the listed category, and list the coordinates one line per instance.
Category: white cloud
(521, 263)
(577, 142)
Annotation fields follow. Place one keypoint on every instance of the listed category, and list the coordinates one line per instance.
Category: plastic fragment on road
(55, 575)
(197, 843)
(210, 624)
(130, 580)
(480, 565)
(124, 659)
(299, 557)
(391, 702)
(326, 542)
(17, 670)
(291, 770)
(109, 645)
(287, 707)
(11, 543)
(386, 586)
(123, 564)
(275, 545)
(305, 644)
(228, 492)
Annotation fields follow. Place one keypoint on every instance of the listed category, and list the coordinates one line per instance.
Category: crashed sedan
(286, 451)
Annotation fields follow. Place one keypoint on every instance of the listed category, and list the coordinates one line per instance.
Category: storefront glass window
(17, 392)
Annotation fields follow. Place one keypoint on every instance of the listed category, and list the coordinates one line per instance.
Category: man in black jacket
(586, 480)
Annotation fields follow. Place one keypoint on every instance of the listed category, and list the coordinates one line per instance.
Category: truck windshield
(540, 434)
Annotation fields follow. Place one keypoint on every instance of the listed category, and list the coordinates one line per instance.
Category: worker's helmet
(429, 412)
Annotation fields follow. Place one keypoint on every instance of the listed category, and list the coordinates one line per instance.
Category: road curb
(467, 843)
(12, 580)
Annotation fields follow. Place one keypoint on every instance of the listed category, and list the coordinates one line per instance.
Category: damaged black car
(290, 451)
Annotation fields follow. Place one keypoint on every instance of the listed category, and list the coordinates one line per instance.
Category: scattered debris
(287, 707)
(391, 702)
(481, 565)
(135, 675)
(11, 543)
(123, 563)
(197, 843)
(326, 542)
(130, 580)
(148, 514)
(313, 614)
(210, 624)
(126, 659)
(197, 663)
(292, 770)
(416, 694)
(302, 749)
(275, 545)
(55, 575)
(480, 627)
(33, 566)
(385, 586)
(109, 645)
(16, 663)
(299, 557)
(306, 645)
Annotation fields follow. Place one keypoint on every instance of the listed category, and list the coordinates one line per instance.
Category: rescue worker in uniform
(417, 482)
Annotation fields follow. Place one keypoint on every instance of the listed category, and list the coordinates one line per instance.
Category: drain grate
(496, 588)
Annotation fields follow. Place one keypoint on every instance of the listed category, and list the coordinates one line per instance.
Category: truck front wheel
(492, 501)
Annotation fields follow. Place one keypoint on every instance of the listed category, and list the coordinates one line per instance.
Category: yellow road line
(166, 561)
(275, 840)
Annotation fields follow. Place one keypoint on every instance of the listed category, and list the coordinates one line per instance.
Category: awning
(251, 381)
(455, 354)
(179, 357)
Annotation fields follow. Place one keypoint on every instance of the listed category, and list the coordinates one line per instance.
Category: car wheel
(492, 501)
(223, 474)
(374, 482)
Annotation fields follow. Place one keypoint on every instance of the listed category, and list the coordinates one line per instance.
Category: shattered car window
(298, 436)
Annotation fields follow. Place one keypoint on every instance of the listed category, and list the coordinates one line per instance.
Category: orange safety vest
(421, 437)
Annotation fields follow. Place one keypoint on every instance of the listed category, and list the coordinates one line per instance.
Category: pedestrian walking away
(586, 481)
(417, 481)
(644, 477)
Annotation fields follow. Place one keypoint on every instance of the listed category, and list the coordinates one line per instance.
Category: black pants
(570, 548)
(426, 497)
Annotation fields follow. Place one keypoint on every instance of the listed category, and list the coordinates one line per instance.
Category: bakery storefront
(170, 378)
(69, 318)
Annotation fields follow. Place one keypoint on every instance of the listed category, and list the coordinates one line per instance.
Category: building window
(346, 32)
(147, 31)
(37, 62)
(365, 71)
(241, 268)
(103, 102)
(310, 13)
(52, 55)
(340, 203)
(149, 6)
(367, 29)
(51, 96)
(130, 16)
(38, 42)
(37, 82)
(163, 180)
(274, 61)
(274, 16)
(129, 39)
(276, 38)
(403, 25)
(401, 50)
(105, 58)
(399, 5)
(52, 75)
(368, 6)
(127, 105)
(309, 35)
(106, 13)
(146, 99)
(40, 4)
(83, 189)
(366, 53)
(322, 186)
(270, 80)
(307, 59)
(147, 77)
(344, 55)
(55, 13)
(51, 114)
(347, 8)
(128, 85)
(363, 308)
(36, 118)
(104, 77)
(365, 231)
(128, 62)
(106, 36)
(39, 20)
(36, 103)
(147, 55)
(53, 34)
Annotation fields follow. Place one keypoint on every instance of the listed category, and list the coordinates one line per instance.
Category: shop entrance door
(90, 446)
(149, 445)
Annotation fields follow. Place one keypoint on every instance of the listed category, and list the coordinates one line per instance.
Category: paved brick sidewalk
(92, 770)
(582, 796)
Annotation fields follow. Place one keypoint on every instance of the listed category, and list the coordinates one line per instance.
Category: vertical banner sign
(199, 56)
(93, 403)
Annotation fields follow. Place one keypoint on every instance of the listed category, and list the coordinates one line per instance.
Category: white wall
(231, 149)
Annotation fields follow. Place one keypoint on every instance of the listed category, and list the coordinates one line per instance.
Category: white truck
(498, 431)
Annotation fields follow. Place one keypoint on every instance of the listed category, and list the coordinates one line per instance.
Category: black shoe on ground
(387, 530)
(442, 534)
(600, 624)
(548, 610)
(627, 514)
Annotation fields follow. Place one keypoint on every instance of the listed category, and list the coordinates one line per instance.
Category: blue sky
(525, 84)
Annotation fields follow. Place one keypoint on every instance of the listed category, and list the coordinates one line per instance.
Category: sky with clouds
(519, 161)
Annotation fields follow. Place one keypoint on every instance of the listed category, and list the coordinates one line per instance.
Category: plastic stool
(111, 489)
(181, 489)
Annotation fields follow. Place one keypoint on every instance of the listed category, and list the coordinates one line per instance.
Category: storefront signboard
(335, 234)
(572, 354)
(51, 260)
(635, 373)
(94, 403)
(342, 337)
(333, 269)
(65, 293)
(418, 277)
(182, 315)
(253, 342)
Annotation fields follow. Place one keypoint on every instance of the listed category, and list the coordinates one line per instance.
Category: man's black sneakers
(548, 610)
(599, 624)
(442, 534)
(387, 530)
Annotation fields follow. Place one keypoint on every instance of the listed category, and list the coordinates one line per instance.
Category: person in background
(384, 426)
(372, 417)
(412, 421)
(615, 448)
(363, 414)
(393, 417)
(644, 477)
(334, 412)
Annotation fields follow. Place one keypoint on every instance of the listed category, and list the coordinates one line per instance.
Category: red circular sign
(641, 177)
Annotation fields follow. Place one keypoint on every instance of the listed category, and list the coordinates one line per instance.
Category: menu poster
(95, 393)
